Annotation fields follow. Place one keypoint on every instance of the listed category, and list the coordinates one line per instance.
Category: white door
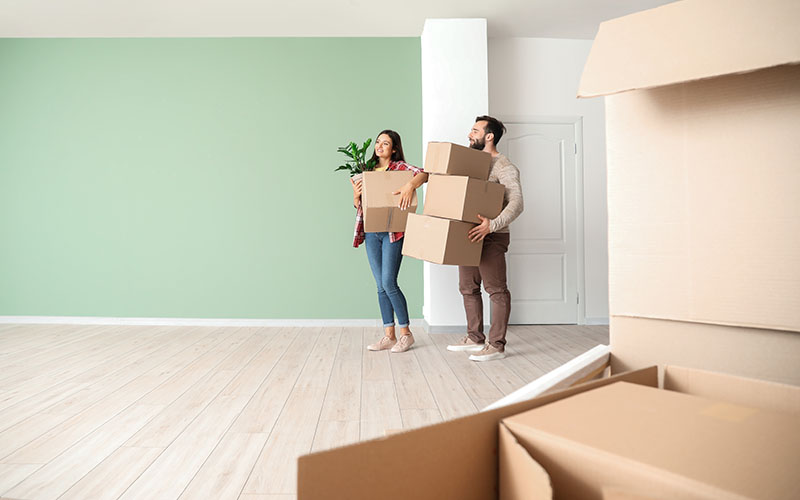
(543, 254)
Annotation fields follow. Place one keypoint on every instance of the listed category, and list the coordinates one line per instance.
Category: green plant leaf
(346, 151)
(358, 162)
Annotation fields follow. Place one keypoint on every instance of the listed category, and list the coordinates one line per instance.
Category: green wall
(193, 178)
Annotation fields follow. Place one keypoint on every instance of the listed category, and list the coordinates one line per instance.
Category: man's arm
(509, 178)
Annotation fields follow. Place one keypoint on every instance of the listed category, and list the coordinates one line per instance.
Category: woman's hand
(357, 187)
(406, 196)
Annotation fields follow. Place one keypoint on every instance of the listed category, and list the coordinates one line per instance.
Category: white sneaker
(488, 353)
(465, 344)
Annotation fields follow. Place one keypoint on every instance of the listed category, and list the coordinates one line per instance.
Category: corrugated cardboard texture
(441, 241)
(448, 158)
(462, 198)
(704, 211)
(691, 40)
(456, 459)
(677, 445)
(748, 352)
(381, 211)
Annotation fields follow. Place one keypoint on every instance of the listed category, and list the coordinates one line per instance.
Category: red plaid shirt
(358, 237)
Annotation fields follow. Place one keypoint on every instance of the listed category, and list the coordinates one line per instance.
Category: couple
(384, 250)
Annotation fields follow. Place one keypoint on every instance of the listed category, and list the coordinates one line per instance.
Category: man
(484, 136)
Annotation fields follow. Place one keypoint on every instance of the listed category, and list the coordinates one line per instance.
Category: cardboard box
(381, 211)
(702, 115)
(454, 459)
(642, 440)
(441, 241)
(452, 159)
(438, 457)
(462, 198)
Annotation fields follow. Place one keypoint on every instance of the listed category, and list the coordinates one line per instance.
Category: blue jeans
(384, 260)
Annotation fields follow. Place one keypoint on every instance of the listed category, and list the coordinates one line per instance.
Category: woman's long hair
(397, 146)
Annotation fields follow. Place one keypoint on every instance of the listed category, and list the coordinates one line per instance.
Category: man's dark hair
(494, 126)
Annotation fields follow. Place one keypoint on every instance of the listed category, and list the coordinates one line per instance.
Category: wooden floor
(95, 412)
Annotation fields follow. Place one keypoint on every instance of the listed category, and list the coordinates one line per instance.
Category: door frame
(577, 123)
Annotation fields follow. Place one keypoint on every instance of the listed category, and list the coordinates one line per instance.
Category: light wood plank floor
(96, 412)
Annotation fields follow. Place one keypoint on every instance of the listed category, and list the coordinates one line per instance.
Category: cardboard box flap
(522, 477)
(733, 389)
(677, 443)
(691, 40)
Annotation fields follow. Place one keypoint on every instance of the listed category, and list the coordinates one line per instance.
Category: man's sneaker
(488, 353)
(465, 344)
(383, 344)
(404, 343)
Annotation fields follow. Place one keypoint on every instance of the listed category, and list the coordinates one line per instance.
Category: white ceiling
(258, 18)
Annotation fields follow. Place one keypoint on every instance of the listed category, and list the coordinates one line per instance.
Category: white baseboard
(90, 320)
(596, 321)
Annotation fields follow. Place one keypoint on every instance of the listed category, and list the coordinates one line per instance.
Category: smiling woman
(384, 248)
(161, 177)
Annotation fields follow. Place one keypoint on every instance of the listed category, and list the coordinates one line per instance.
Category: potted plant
(357, 162)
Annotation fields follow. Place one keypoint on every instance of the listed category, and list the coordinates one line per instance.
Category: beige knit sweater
(504, 172)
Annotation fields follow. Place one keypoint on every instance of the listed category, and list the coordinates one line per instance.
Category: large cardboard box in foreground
(462, 198)
(455, 459)
(650, 442)
(460, 458)
(381, 210)
(703, 118)
(452, 159)
(441, 241)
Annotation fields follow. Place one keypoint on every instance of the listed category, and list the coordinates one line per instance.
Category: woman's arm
(407, 191)
(357, 187)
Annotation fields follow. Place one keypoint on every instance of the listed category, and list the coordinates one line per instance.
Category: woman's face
(384, 147)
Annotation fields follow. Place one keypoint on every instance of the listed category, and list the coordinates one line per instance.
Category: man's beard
(479, 144)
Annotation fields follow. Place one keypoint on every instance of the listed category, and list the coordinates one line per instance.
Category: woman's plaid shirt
(358, 237)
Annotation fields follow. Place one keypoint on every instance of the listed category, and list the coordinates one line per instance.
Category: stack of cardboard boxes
(458, 190)
(703, 116)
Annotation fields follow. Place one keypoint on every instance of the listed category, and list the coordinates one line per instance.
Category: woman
(384, 250)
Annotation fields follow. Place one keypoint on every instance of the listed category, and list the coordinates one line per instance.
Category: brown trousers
(492, 271)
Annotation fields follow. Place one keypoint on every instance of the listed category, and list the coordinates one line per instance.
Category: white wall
(539, 77)
(454, 91)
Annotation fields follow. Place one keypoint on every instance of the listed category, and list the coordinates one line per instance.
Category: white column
(455, 89)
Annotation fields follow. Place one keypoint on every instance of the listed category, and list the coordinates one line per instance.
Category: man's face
(477, 136)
